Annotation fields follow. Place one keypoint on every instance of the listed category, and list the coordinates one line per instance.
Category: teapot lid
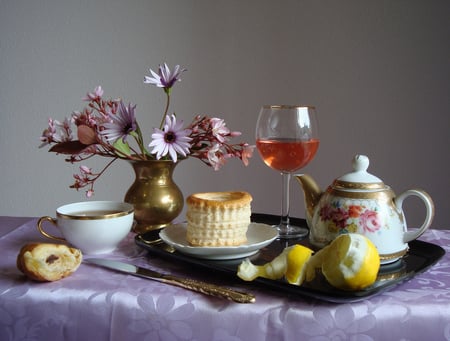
(359, 178)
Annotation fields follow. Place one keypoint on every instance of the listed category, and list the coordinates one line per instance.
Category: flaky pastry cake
(48, 262)
(218, 218)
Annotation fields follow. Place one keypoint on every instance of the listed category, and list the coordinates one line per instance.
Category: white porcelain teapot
(360, 202)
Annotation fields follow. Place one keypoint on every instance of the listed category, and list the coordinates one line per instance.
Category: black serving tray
(421, 256)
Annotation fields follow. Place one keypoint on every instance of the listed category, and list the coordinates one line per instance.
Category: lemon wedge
(349, 262)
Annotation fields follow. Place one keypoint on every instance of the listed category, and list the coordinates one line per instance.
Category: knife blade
(186, 283)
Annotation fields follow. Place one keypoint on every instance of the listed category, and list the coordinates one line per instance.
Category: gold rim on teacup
(94, 217)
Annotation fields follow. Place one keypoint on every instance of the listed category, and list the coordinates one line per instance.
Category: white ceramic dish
(258, 236)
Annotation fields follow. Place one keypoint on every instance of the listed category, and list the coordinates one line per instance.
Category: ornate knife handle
(209, 289)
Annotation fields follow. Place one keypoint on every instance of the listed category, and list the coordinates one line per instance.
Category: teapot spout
(312, 193)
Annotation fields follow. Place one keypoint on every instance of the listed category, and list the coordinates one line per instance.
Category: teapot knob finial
(360, 163)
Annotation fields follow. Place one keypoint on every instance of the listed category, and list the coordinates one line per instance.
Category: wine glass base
(291, 231)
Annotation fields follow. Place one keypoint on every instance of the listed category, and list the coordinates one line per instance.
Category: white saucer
(258, 236)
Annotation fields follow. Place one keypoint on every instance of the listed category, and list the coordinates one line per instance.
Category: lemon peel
(349, 262)
(275, 269)
(297, 259)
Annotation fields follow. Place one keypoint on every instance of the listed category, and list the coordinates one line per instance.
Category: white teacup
(94, 227)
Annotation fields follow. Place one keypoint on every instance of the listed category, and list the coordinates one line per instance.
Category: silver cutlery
(190, 284)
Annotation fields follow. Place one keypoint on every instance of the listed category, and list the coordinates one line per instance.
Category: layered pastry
(218, 218)
(46, 262)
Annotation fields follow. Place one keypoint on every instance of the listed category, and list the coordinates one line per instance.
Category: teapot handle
(429, 205)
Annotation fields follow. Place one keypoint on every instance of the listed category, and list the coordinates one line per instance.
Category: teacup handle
(46, 234)
(429, 205)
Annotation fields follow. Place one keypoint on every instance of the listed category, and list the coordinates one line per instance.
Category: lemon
(297, 259)
(349, 262)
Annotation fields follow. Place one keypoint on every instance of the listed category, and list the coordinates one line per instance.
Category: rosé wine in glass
(287, 140)
(286, 155)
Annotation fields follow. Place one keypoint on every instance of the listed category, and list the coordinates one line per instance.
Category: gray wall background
(377, 71)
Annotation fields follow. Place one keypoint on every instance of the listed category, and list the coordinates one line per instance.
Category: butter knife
(190, 284)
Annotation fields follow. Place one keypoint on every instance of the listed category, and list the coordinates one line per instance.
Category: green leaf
(122, 147)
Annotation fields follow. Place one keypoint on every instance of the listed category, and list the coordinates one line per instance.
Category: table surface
(98, 304)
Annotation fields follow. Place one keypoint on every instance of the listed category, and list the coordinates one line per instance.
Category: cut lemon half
(297, 258)
(349, 262)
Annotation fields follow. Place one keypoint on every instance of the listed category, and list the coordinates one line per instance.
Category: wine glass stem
(284, 224)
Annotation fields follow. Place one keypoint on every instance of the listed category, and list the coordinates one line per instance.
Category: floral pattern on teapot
(336, 215)
(346, 218)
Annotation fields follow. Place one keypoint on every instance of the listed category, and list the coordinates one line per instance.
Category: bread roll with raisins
(47, 262)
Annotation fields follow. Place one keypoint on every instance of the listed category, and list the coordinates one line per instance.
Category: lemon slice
(350, 262)
(297, 259)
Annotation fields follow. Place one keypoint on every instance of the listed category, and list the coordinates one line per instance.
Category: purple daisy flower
(164, 78)
(172, 140)
(122, 123)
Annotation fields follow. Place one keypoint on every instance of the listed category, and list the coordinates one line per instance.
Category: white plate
(258, 236)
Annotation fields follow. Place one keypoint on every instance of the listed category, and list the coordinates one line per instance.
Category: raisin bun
(47, 262)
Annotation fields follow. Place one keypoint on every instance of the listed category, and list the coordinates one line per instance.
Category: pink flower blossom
(215, 158)
(85, 170)
(56, 132)
(95, 95)
(83, 179)
(370, 221)
(219, 130)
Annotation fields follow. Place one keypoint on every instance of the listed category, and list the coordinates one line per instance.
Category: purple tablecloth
(97, 304)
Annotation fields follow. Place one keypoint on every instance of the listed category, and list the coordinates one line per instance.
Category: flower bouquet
(108, 128)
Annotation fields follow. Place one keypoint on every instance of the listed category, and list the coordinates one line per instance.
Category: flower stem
(138, 137)
(167, 91)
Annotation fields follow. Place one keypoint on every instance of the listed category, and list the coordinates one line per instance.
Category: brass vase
(156, 197)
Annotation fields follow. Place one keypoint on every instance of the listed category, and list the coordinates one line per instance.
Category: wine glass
(287, 140)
